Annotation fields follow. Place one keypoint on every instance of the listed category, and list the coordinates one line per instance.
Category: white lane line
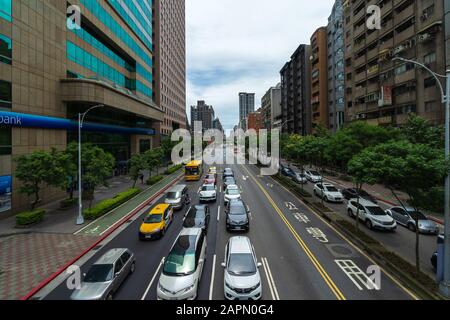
(277, 296)
(220, 189)
(211, 287)
(218, 214)
(267, 277)
(355, 273)
(153, 279)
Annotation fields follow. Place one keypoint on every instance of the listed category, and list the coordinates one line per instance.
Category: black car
(197, 217)
(288, 172)
(228, 181)
(351, 193)
(237, 216)
(227, 173)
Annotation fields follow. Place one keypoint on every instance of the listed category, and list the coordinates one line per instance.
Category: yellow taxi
(157, 221)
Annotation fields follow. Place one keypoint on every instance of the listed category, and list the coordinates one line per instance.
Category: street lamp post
(444, 286)
(81, 116)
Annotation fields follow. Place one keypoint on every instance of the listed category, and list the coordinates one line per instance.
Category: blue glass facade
(138, 16)
(6, 10)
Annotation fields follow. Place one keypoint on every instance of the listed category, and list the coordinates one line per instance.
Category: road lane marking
(218, 214)
(301, 217)
(153, 279)
(318, 234)
(334, 289)
(356, 275)
(362, 253)
(211, 287)
(270, 280)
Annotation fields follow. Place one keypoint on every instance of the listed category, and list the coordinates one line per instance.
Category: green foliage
(29, 217)
(419, 130)
(137, 165)
(153, 159)
(107, 205)
(153, 180)
(38, 168)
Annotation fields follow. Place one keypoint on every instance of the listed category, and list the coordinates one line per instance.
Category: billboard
(5, 193)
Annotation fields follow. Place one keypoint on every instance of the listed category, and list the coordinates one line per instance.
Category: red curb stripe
(124, 219)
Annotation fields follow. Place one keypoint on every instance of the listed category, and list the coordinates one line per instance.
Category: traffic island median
(407, 274)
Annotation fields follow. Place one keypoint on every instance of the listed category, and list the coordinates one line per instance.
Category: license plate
(149, 236)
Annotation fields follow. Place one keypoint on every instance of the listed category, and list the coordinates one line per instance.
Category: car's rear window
(241, 264)
(181, 259)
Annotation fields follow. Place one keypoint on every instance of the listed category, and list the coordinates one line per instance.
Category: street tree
(137, 165)
(153, 159)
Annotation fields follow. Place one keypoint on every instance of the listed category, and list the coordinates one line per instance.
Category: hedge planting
(107, 205)
(174, 169)
(154, 180)
(29, 217)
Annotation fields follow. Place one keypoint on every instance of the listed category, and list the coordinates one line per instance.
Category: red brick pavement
(28, 259)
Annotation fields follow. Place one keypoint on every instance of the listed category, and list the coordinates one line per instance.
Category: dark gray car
(106, 275)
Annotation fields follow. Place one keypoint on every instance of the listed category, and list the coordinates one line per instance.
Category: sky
(241, 45)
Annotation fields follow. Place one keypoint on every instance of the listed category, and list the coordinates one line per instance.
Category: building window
(5, 94)
(5, 141)
(429, 58)
(429, 82)
(5, 49)
(6, 9)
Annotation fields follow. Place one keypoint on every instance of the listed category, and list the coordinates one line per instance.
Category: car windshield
(210, 177)
(241, 264)
(314, 173)
(173, 195)
(233, 192)
(99, 273)
(376, 211)
(332, 189)
(237, 209)
(208, 188)
(192, 171)
(198, 212)
(154, 218)
(181, 260)
(230, 180)
(417, 215)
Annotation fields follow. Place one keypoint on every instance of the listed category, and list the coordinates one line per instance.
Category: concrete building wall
(409, 29)
(319, 78)
(170, 62)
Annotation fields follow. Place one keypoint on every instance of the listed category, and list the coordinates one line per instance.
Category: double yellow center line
(300, 241)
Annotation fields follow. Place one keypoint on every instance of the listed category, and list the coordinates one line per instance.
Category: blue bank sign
(14, 119)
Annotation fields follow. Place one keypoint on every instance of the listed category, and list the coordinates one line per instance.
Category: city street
(302, 256)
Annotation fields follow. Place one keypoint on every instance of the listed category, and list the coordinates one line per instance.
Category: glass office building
(58, 59)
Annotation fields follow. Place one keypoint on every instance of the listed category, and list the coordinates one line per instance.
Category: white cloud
(240, 45)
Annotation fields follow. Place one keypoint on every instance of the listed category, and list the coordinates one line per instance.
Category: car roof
(232, 186)
(178, 188)
(327, 184)
(365, 203)
(160, 208)
(239, 245)
(111, 256)
(190, 232)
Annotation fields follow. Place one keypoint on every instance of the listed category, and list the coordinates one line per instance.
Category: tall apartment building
(381, 91)
(52, 69)
(255, 121)
(447, 32)
(271, 107)
(246, 104)
(204, 113)
(170, 62)
(336, 67)
(319, 78)
(217, 124)
(296, 92)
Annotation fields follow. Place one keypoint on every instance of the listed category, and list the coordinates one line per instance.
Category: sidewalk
(30, 256)
(377, 190)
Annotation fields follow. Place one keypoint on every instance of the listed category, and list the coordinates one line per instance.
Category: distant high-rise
(336, 67)
(271, 107)
(170, 62)
(246, 104)
(204, 113)
(296, 92)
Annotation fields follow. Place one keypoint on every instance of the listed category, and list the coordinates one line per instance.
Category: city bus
(193, 170)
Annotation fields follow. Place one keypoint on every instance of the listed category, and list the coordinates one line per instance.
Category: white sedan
(313, 176)
(328, 192)
(232, 192)
(208, 193)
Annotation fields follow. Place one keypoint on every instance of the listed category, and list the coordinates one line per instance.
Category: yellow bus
(193, 170)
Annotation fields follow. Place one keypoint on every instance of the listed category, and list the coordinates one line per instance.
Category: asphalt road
(402, 241)
(303, 257)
